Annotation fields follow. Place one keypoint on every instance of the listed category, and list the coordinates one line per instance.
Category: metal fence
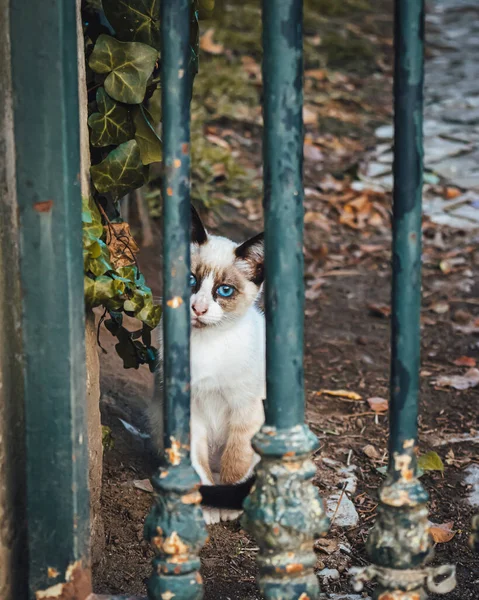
(284, 512)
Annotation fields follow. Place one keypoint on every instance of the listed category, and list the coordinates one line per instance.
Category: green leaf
(101, 289)
(107, 438)
(431, 461)
(128, 65)
(97, 260)
(111, 125)
(146, 136)
(121, 171)
(135, 20)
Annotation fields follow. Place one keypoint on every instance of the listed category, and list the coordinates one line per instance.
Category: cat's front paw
(216, 515)
(230, 515)
(211, 515)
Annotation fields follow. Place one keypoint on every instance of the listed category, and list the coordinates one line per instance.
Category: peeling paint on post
(47, 161)
(399, 543)
(284, 511)
(175, 525)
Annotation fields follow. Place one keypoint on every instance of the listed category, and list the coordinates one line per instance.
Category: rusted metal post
(175, 526)
(284, 511)
(47, 171)
(399, 543)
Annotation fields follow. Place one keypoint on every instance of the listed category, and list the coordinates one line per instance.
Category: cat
(228, 382)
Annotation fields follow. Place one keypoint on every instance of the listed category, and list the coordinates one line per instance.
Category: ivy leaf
(98, 259)
(111, 125)
(128, 65)
(135, 20)
(121, 171)
(146, 136)
(101, 289)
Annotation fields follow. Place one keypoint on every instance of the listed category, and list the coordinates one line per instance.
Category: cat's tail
(226, 496)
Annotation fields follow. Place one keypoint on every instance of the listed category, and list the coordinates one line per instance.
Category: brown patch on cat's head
(198, 231)
(251, 257)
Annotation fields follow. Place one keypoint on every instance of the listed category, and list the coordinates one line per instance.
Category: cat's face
(225, 277)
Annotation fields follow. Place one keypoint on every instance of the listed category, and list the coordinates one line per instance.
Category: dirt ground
(347, 250)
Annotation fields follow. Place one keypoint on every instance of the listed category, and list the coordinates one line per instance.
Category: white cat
(227, 358)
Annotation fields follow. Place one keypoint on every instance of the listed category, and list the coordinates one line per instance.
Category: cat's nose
(199, 309)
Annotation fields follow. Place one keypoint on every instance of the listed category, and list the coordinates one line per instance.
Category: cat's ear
(198, 231)
(252, 251)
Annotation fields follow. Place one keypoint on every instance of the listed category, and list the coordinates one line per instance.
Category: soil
(346, 340)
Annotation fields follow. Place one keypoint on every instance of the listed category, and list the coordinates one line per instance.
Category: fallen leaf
(326, 545)
(214, 139)
(430, 461)
(340, 394)
(445, 267)
(442, 533)
(380, 310)
(312, 153)
(309, 116)
(470, 379)
(371, 452)
(121, 244)
(439, 308)
(143, 484)
(208, 45)
(377, 404)
(465, 361)
(219, 171)
(451, 192)
(318, 74)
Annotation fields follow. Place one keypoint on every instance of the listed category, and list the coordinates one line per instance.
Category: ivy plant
(122, 43)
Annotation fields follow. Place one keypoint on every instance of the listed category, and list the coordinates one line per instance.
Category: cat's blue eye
(192, 280)
(225, 291)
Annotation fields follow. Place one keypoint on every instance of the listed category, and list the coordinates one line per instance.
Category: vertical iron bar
(284, 511)
(175, 525)
(399, 543)
(47, 155)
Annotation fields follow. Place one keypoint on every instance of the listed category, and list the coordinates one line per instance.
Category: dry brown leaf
(465, 361)
(318, 74)
(442, 533)
(371, 452)
(252, 68)
(219, 171)
(451, 192)
(380, 310)
(328, 546)
(378, 404)
(121, 244)
(340, 394)
(214, 139)
(440, 308)
(208, 45)
(144, 485)
(310, 116)
(470, 379)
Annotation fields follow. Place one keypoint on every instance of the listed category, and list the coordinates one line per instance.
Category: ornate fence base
(285, 514)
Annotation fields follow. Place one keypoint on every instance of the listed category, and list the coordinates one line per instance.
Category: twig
(341, 496)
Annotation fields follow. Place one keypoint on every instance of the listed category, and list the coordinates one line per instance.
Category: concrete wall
(95, 447)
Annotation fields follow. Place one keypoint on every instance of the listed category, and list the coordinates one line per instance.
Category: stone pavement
(451, 117)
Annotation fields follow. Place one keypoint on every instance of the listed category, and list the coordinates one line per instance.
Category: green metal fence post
(399, 542)
(284, 511)
(47, 162)
(175, 526)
